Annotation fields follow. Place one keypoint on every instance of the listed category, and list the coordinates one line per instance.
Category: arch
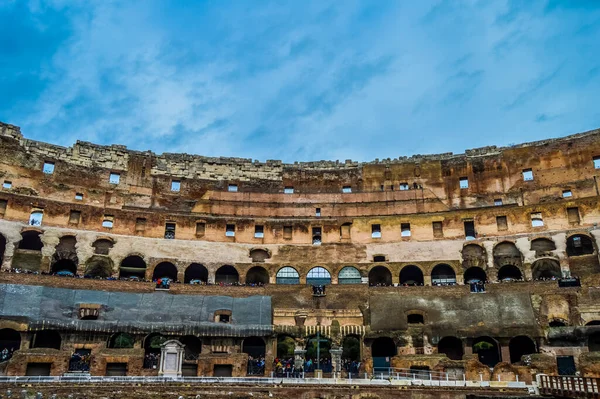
(509, 273)
(285, 346)
(351, 348)
(557, 323)
(165, 270)
(487, 350)
(64, 267)
(287, 275)
(594, 342)
(227, 275)
(475, 274)
(102, 246)
(195, 274)
(318, 276)
(121, 341)
(133, 266)
(254, 346)
(10, 341)
(542, 245)
(411, 275)
(259, 254)
(383, 347)
(520, 346)
(443, 274)
(380, 275)
(580, 244)
(507, 253)
(153, 342)
(193, 346)
(31, 240)
(99, 266)
(546, 269)
(452, 347)
(415, 318)
(257, 275)
(46, 339)
(593, 323)
(474, 255)
(349, 275)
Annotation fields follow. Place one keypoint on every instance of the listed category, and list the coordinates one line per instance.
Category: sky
(300, 80)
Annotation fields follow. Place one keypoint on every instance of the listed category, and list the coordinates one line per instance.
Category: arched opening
(259, 255)
(121, 341)
(318, 276)
(546, 269)
(380, 276)
(557, 323)
(196, 274)
(382, 350)
(318, 357)
(102, 246)
(443, 275)
(452, 347)
(487, 351)
(165, 270)
(415, 318)
(349, 275)
(256, 350)
(594, 342)
(227, 275)
(474, 255)
(98, 267)
(507, 253)
(31, 240)
(509, 273)
(520, 346)
(133, 267)
(193, 346)
(351, 350)
(475, 275)
(64, 267)
(152, 344)
(35, 218)
(411, 275)
(46, 339)
(257, 275)
(287, 275)
(285, 347)
(593, 323)
(542, 246)
(579, 244)
(10, 341)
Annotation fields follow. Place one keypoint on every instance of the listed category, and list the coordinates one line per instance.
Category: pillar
(336, 359)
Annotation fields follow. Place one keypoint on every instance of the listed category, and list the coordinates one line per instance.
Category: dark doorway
(546, 269)
(165, 270)
(64, 267)
(227, 275)
(380, 276)
(351, 348)
(116, 369)
(487, 351)
(38, 369)
(223, 370)
(196, 274)
(474, 275)
(451, 347)
(10, 341)
(257, 275)
(193, 347)
(189, 370)
(411, 275)
(133, 267)
(46, 339)
(566, 365)
(443, 275)
(31, 240)
(382, 350)
(579, 244)
(509, 273)
(519, 347)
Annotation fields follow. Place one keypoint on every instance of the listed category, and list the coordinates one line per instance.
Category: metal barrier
(414, 374)
(569, 386)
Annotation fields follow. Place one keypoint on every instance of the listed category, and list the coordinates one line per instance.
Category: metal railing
(569, 386)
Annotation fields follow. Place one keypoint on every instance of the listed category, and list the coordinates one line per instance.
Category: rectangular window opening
(7, 184)
(498, 202)
(470, 229)
(464, 182)
(502, 223)
(288, 190)
(74, 217)
(405, 229)
(114, 178)
(175, 186)
(108, 221)
(573, 215)
(567, 193)
(346, 189)
(597, 162)
(438, 231)
(79, 196)
(404, 186)
(200, 229)
(170, 230)
(317, 212)
(140, 224)
(48, 168)
(527, 175)
(376, 231)
(230, 230)
(287, 232)
(259, 231)
(3, 206)
(316, 236)
(345, 231)
(536, 219)
(232, 188)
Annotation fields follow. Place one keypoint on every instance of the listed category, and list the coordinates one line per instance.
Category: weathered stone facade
(397, 243)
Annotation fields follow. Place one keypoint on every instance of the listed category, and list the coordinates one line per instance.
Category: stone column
(336, 359)
(171, 359)
(299, 357)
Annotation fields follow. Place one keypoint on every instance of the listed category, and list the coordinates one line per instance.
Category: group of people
(256, 366)
(80, 362)
(163, 283)
(6, 354)
(286, 368)
(318, 290)
(351, 366)
(151, 360)
(477, 286)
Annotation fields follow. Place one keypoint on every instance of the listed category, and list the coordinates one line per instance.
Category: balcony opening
(470, 230)
(259, 232)
(316, 236)
(230, 230)
(170, 231)
(376, 231)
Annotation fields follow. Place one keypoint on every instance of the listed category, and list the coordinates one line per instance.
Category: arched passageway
(227, 275)
(46, 339)
(152, 345)
(546, 269)
(520, 346)
(30, 240)
(133, 267)
(285, 347)
(121, 341)
(380, 276)
(507, 253)
(542, 246)
(257, 275)
(64, 267)
(509, 273)
(382, 350)
(165, 270)
(451, 347)
(10, 341)
(411, 275)
(193, 346)
(287, 275)
(487, 351)
(579, 244)
(318, 276)
(474, 275)
(195, 274)
(349, 275)
(256, 349)
(351, 348)
(102, 246)
(98, 267)
(474, 255)
(443, 274)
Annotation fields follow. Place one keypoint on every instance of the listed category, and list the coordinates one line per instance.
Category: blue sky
(300, 80)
